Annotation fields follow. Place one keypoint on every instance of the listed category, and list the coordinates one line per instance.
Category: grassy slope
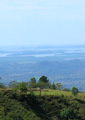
(47, 107)
(59, 93)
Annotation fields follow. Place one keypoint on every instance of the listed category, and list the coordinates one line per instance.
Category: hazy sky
(42, 22)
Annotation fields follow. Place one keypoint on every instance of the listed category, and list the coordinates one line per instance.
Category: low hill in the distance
(64, 64)
(68, 72)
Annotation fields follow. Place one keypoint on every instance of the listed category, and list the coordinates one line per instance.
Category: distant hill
(69, 72)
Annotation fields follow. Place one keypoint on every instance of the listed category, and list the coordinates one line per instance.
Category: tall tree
(59, 86)
(32, 83)
(1, 84)
(44, 79)
(22, 87)
(75, 91)
(13, 84)
(43, 83)
(53, 86)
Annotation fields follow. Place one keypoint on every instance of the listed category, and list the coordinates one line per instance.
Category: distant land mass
(64, 64)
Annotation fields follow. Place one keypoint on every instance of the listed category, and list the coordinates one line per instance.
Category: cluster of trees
(42, 83)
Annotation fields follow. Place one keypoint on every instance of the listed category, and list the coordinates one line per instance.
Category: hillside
(68, 72)
(47, 107)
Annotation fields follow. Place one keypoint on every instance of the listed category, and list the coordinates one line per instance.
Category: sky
(42, 22)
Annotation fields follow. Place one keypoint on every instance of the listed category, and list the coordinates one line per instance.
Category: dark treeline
(42, 83)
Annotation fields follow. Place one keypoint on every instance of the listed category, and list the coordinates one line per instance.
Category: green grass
(59, 93)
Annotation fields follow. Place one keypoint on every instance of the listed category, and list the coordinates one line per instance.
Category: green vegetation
(18, 102)
(26, 106)
(75, 91)
(68, 114)
(43, 83)
(32, 83)
(59, 86)
(22, 87)
(53, 86)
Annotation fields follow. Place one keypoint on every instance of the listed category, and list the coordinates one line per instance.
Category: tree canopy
(44, 79)
(75, 91)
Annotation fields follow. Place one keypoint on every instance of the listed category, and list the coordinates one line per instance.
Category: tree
(43, 83)
(59, 86)
(13, 84)
(32, 83)
(22, 87)
(2, 85)
(53, 86)
(75, 91)
(44, 79)
(33, 80)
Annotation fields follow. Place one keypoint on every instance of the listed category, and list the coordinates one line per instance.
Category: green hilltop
(51, 105)
(40, 100)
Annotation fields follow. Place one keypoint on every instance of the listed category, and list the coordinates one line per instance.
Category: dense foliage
(19, 101)
(23, 106)
(75, 91)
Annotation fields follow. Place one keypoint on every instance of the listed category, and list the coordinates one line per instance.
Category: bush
(75, 91)
(22, 87)
(32, 94)
(68, 114)
(67, 89)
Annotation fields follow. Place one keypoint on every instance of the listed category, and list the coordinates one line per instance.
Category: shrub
(68, 114)
(22, 87)
(32, 94)
(75, 91)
